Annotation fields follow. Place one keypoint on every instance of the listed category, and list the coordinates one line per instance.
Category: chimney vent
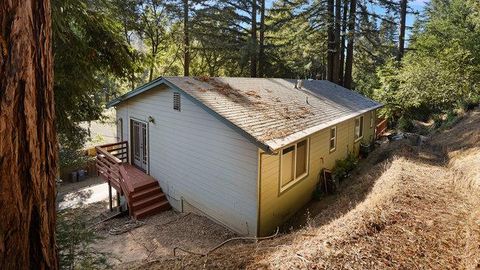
(299, 84)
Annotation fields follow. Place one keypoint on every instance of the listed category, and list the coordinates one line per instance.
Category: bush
(405, 124)
(74, 240)
(343, 167)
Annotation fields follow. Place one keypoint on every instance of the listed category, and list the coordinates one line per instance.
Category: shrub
(343, 167)
(405, 124)
(74, 241)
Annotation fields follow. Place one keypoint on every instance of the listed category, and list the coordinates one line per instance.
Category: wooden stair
(142, 192)
(148, 200)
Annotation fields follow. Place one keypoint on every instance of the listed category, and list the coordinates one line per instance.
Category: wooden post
(110, 195)
(118, 201)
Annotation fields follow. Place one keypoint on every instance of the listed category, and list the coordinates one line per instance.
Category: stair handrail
(109, 165)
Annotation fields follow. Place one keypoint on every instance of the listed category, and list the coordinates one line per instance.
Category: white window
(176, 101)
(119, 130)
(333, 139)
(358, 128)
(293, 164)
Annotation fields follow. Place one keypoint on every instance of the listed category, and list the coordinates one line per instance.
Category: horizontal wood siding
(276, 207)
(198, 159)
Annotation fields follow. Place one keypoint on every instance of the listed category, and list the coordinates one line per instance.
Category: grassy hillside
(406, 207)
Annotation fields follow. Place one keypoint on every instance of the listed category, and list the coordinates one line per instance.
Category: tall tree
(351, 40)
(153, 28)
(331, 40)
(401, 37)
(186, 39)
(337, 40)
(343, 42)
(28, 145)
(254, 40)
(261, 41)
(89, 51)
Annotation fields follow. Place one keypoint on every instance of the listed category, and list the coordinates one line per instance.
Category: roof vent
(299, 84)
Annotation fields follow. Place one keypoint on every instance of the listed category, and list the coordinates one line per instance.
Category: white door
(139, 144)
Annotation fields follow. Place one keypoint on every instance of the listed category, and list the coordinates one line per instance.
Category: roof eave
(276, 144)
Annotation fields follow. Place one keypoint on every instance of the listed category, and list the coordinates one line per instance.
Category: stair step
(142, 203)
(145, 193)
(151, 209)
(146, 186)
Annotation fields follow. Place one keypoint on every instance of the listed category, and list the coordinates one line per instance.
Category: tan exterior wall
(275, 206)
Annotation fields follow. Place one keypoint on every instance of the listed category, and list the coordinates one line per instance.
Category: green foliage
(405, 124)
(74, 242)
(442, 70)
(90, 57)
(343, 167)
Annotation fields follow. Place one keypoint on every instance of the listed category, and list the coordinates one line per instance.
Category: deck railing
(110, 158)
(380, 128)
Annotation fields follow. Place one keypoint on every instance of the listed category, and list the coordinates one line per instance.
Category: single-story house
(246, 152)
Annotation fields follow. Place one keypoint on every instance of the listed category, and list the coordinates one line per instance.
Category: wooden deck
(142, 192)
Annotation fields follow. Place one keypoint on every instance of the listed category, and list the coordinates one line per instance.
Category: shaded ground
(125, 240)
(158, 236)
(407, 207)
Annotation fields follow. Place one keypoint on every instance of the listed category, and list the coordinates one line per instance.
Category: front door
(139, 144)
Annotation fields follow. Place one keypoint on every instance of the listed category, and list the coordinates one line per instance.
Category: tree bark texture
(331, 40)
(28, 145)
(253, 55)
(342, 45)
(401, 36)
(351, 40)
(338, 23)
(261, 52)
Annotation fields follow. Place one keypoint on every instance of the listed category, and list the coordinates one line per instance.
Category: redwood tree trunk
(336, 55)
(28, 145)
(261, 51)
(351, 40)
(331, 40)
(253, 56)
(342, 45)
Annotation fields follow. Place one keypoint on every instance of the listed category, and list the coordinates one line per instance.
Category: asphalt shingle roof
(273, 111)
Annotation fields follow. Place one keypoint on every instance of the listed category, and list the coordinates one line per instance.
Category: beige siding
(275, 206)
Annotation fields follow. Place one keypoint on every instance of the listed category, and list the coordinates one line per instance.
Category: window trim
(334, 140)
(283, 188)
(361, 128)
(120, 126)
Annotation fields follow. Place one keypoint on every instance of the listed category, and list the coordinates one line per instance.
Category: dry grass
(416, 207)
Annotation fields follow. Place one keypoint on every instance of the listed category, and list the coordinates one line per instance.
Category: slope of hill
(408, 208)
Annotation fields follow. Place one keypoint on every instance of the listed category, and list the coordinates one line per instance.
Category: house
(246, 152)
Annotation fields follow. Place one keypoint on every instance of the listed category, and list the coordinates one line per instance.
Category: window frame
(120, 128)
(334, 140)
(361, 131)
(295, 180)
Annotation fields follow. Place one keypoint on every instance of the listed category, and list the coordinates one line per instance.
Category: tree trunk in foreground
(28, 146)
